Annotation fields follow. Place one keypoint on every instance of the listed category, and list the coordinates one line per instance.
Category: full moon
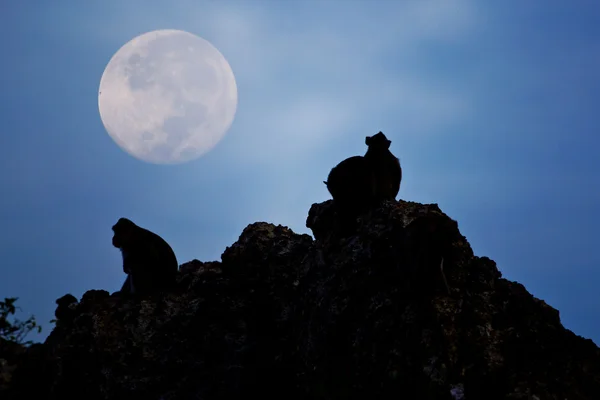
(167, 97)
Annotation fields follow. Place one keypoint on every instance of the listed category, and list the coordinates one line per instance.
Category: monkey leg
(127, 285)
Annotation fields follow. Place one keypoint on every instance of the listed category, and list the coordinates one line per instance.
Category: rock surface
(401, 308)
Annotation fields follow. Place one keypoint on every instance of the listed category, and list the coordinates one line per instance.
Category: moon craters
(167, 97)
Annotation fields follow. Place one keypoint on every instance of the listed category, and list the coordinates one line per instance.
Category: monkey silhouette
(360, 182)
(385, 170)
(148, 260)
(349, 183)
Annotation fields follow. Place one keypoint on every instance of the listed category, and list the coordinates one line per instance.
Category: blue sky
(491, 107)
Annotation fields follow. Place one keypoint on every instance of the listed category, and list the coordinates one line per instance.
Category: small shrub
(15, 330)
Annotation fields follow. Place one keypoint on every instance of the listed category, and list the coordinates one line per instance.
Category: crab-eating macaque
(386, 173)
(360, 182)
(349, 183)
(148, 260)
(64, 312)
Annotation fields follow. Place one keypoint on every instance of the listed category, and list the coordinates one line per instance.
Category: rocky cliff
(398, 309)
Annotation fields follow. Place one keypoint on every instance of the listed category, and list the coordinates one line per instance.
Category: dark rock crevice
(365, 314)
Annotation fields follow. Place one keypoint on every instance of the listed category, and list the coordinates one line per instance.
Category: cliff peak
(399, 307)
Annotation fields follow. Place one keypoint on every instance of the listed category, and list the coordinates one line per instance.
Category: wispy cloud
(314, 74)
(303, 85)
(310, 84)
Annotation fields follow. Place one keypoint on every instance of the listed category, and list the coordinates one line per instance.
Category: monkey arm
(127, 285)
(396, 179)
(127, 261)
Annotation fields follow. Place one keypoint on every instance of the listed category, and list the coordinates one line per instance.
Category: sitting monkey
(148, 260)
(349, 183)
(386, 173)
(358, 182)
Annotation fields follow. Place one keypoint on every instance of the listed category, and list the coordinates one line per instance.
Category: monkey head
(378, 141)
(123, 233)
(65, 312)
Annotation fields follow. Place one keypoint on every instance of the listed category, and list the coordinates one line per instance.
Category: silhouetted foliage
(15, 330)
